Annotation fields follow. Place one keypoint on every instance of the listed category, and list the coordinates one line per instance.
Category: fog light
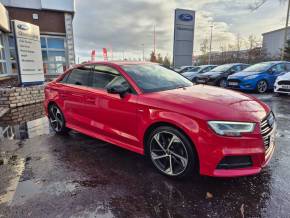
(235, 162)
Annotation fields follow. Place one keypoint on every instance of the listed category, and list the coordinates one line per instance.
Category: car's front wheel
(56, 119)
(223, 83)
(262, 86)
(171, 152)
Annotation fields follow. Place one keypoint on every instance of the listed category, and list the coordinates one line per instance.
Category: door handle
(90, 100)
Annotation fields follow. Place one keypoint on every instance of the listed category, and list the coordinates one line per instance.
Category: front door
(114, 116)
(274, 73)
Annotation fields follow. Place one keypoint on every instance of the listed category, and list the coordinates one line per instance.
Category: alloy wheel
(223, 83)
(56, 118)
(262, 86)
(168, 153)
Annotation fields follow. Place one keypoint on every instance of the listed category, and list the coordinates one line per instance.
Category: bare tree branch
(259, 3)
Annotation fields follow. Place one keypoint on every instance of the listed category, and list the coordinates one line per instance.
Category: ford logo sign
(185, 17)
(23, 26)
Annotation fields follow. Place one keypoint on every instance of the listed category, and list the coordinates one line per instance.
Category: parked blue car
(258, 77)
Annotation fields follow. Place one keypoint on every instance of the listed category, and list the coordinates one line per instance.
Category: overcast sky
(125, 25)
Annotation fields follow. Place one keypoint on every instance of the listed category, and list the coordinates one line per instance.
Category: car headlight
(251, 77)
(226, 128)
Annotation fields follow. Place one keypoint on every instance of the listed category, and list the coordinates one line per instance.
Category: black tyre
(222, 83)
(262, 86)
(56, 119)
(170, 152)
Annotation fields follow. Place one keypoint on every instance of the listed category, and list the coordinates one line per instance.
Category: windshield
(258, 67)
(195, 69)
(153, 78)
(222, 68)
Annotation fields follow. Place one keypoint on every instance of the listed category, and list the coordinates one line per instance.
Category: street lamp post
(286, 31)
(143, 52)
(210, 44)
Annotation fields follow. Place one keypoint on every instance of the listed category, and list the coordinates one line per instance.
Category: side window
(102, 76)
(278, 68)
(287, 67)
(235, 69)
(79, 76)
(206, 70)
(244, 67)
(64, 79)
(105, 77)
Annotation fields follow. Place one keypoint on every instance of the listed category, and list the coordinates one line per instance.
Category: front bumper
(213, 150)
(242, 85)
(281, 89)
(207, 81)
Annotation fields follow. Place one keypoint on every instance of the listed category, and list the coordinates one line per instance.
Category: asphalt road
(47, 175)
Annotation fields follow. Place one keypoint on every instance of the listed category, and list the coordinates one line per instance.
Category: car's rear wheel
(223, 83)
(171, 152)
(56, 119)
(262, 86)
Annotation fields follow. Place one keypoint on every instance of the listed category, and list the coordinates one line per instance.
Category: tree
(259, 3)
(153, 57)
(287, 51)
(159, 59)
(166, 61)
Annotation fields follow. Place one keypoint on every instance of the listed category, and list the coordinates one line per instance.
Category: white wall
(273, 42)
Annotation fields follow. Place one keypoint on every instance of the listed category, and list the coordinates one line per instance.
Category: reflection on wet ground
(45, 175)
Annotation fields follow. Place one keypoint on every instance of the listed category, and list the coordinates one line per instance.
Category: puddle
(25, 130)
(24, 122)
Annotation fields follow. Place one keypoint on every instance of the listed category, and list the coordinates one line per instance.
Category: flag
(105, 54)
(93, 55)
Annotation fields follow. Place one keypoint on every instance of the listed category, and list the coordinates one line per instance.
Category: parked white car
(282, 84)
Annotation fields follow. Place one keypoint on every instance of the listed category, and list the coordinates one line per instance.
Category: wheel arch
(157, 124)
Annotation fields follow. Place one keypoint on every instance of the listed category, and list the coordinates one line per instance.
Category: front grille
(284, 82)
(267, 126)
(234, 80)
(284, 90)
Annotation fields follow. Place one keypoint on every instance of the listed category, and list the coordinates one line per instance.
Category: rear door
(73, 94)
(110, 114)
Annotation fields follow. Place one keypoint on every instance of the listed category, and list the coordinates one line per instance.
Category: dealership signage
(184, 23)
(29, 57)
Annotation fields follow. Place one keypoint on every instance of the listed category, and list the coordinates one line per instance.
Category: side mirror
(118, 89)
(272, 71)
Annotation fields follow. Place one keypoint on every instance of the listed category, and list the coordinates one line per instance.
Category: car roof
(120, 63)
(275, 62)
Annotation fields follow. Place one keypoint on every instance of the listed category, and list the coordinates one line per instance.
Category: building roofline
(277, 30)
(42, 9)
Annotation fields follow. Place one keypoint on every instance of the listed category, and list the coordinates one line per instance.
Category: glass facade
(3, 61)
(12, 51)
(53, 54)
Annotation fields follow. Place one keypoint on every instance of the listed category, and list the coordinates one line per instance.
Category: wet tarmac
(46, 175)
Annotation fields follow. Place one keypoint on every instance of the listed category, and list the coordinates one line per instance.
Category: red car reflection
(156, 112)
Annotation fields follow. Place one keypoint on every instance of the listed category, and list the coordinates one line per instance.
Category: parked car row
(261, 77)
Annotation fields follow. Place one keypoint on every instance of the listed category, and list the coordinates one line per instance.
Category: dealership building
(54, 19)
(273, 42)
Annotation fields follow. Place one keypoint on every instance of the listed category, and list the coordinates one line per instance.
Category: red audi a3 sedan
(156, 112)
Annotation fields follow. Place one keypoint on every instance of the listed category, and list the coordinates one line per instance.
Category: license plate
(201, 81)
(233, 83)
(286, 86)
